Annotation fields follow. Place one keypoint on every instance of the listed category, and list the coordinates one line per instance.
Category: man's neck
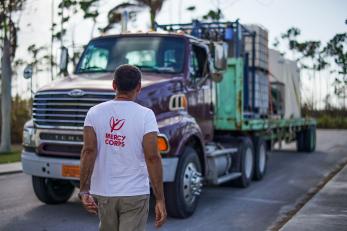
(124, 98)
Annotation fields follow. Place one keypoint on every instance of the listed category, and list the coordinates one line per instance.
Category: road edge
(11, 168)
(10, 172)
(288, 215)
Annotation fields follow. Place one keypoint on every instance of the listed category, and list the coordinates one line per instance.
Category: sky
(317, 19)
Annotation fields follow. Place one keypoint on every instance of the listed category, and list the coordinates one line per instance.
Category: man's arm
(88, 157)
(155, 171)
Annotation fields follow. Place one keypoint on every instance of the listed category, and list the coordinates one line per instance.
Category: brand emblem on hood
(76, 93)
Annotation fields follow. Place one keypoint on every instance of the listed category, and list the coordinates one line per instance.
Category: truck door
(200, 90)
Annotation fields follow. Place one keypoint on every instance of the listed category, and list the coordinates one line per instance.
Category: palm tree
(8, 32)
(154, 8)
(115, 14)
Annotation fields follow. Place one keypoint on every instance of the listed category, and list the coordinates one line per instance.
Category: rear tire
(300, 141)
(52, 191)
(310, 139)
(183, 194)
(246, 163)
(261, 157)
(306, 139)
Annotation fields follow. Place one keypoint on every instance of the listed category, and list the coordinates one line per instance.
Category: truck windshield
(152, 54)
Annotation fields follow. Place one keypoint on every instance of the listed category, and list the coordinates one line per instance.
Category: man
(119, 152)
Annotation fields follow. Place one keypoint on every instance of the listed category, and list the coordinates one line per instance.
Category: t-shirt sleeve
(88, 121)
(150, 123)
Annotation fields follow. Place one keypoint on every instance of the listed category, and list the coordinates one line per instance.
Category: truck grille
(64, 109)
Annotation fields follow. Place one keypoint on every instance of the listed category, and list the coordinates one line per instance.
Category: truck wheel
(310, 139)
(300, 141)
(52, 191)
(183, 194)
(260, 160)
(246, 163)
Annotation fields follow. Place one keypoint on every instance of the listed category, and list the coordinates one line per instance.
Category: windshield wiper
(154, 68)
(92, 69)
(146, 67)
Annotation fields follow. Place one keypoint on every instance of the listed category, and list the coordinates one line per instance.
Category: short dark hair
(127, 77)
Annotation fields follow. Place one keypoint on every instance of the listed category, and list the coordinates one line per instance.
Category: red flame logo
(116, 124)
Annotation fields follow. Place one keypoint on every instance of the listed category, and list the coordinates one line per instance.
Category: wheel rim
(192, 183)
(262, 158)
(249, 162)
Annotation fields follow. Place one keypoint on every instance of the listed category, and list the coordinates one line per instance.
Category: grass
(337, 122)
(10, 157)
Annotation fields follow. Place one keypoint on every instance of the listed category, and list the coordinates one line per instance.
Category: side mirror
(28, 72)
(220, 55)
(64, 60)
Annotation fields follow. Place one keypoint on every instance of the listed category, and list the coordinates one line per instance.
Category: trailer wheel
(183, 194)
(246, 163)
(300, 141)
(52, 191)
(310, 139)
(261, 157)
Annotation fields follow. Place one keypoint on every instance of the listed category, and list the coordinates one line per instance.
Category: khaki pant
(128, 213)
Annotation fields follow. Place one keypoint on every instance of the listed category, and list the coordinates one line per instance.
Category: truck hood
(100, 81)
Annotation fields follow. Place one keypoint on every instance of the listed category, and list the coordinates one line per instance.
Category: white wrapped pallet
(261, 46)
(287, 72)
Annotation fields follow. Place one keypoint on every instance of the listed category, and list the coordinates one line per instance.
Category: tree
(8, 36)
(116, 13)
(291, 35)
(308, 54)
(336, 49)
(90, 11)
(154, 8)
(213, 15)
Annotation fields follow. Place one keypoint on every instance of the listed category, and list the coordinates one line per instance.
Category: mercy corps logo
(116, 124)
(112, 138)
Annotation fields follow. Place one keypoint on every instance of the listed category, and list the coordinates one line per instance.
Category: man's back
(119, 153)
(120, 167)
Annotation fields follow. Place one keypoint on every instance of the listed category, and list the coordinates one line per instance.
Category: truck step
(230, 176)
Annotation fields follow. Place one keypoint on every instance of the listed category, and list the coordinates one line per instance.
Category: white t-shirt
(120, 168)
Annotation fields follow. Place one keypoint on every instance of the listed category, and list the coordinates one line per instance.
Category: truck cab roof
(178, 34)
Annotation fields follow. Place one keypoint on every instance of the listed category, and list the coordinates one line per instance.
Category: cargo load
(287, 72)
(261, 46)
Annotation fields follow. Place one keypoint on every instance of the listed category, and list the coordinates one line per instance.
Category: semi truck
(208, 85)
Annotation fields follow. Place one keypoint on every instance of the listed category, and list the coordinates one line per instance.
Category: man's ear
(114, 85)
(138, 88)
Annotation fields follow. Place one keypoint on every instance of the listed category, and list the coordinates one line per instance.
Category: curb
(283, 219)
(10, 172)
(11, 168)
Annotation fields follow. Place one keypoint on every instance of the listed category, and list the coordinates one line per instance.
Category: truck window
(95, 59)
(141, 58)
(198, 64)
(149, 53)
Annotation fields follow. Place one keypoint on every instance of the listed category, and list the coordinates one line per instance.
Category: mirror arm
(202, 80)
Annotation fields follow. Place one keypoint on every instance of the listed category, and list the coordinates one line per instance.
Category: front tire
(183, 194)
(52, 191)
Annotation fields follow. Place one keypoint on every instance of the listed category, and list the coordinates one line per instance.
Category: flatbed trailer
(229, 114)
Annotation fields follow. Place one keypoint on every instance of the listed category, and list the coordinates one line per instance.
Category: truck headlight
(29, 134)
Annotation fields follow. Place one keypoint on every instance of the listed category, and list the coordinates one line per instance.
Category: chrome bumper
(52, 167)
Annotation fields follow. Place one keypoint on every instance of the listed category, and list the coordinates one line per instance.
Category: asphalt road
(290, 176)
